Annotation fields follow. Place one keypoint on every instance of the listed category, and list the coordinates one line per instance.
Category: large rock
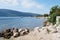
(52, 29)
(1, 35)
(15, 32)
(24, 31)
(7, 33)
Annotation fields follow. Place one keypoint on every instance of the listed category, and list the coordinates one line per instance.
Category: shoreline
(43, 33)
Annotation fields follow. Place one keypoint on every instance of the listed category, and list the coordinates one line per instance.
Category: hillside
(13, 13)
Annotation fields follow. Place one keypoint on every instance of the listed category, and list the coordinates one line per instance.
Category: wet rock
(24, 31)
(16, 33)
(1, 35)
(7, 33)
(27, 30)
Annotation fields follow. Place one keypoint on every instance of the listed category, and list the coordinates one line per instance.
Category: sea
(21, 22)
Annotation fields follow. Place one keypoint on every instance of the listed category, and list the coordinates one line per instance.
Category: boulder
(16, 32)
(1, 35)
(52, 29)
(24, 31)
(27, 30)
(7, 33)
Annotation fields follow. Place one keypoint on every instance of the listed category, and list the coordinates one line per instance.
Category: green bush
(46, 15)
(55, 11)
(52, 18)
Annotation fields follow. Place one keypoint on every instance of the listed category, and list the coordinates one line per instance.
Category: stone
(24, 31)
(7, 33)
(58, 28)
(16, 34)
(37, 29)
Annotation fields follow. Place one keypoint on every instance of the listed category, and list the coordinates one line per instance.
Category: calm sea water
(20, 22)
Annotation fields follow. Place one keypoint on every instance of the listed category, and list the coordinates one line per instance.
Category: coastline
(44, 33)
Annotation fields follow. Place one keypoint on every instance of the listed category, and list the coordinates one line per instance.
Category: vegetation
(52, 18)
(46, 15)
(39, 16)
(55, 11)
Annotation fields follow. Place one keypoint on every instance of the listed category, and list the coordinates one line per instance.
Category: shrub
(52, 18)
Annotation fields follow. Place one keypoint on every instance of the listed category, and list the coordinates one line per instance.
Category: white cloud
(40, 6)
(30, 4)
(23, 3)
(9, 2)
(26, 3)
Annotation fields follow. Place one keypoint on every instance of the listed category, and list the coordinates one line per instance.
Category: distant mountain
(12, 13)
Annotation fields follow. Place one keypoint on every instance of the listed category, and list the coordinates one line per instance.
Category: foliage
(55, 11)
(45, 15)
(52, 18)
(39, 16)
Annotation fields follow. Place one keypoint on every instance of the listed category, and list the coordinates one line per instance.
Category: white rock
(37, 29)
(58, 28)
(19, 30)
(23, 31)
(52, 29)
(15, 34)
(44, 30)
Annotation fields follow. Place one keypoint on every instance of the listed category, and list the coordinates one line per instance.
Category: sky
(32, 6)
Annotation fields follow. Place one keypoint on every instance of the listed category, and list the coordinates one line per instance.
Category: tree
(55, 11)
(45, 15)
(52, 18)
(58, 11)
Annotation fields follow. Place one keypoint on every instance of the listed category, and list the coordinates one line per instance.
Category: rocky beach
(51, 32)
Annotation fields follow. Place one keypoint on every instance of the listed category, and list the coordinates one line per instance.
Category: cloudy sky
(33, 6)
